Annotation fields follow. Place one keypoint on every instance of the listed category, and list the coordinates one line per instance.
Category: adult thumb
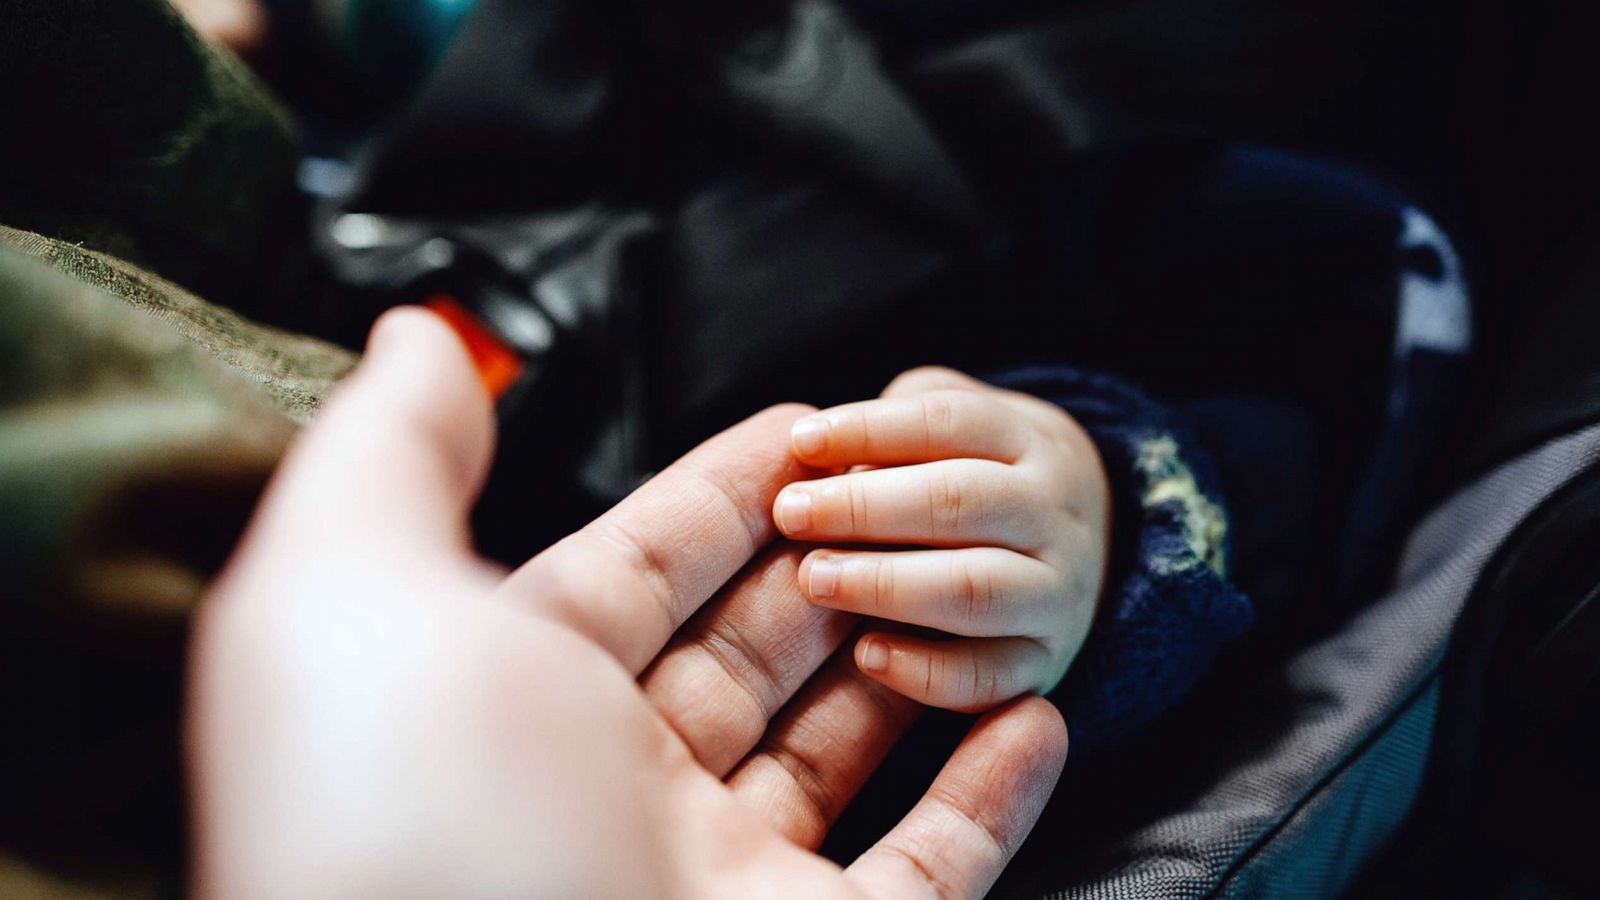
(398, 453)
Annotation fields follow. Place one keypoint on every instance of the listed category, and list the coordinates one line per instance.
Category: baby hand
(1003, 503)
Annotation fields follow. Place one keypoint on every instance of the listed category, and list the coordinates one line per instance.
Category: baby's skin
(962, 508)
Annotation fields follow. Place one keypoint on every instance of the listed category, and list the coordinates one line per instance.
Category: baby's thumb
(924, 379)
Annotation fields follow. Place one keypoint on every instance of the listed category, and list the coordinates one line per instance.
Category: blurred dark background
(679, 211)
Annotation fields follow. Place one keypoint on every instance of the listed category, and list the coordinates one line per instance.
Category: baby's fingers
(941, 424)
(950, 503)
(965, 675)
(978, 592)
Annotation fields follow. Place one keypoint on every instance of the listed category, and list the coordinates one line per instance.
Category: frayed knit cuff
(1168, 606)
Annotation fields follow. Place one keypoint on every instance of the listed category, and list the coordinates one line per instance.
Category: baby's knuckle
(855, 497)
(975, 592)
(938, 417)
(1057, 422)
(855, 425)
(882, 583)
(944, 505)
(1043, 486)
(921, 374)
(979, 683)
(1024, 507)
(998, 684)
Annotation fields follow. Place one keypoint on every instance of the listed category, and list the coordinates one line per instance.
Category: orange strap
(498, 365)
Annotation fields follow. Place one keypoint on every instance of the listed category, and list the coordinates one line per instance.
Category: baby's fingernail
(872, 655)
(809, 435)
(794, 512)
(824, 578)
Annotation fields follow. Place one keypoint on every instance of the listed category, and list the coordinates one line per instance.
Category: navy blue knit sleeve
(1168, 606)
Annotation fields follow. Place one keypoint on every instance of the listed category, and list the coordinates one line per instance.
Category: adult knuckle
(809, 779)
(639, 557)
(736, 499)
(747, 709)
(744, 663)
(983, 821)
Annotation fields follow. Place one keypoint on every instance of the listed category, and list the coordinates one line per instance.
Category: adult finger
(734, 664)
(820, 751)
(939, 424)
(974, 591)
(960, 836)
(631, 577)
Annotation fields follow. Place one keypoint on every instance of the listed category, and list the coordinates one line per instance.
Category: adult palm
(376, 711)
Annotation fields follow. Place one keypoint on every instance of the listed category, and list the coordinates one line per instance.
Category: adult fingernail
(809, 435)
(824, 579)
(872, 655)
(794, 512)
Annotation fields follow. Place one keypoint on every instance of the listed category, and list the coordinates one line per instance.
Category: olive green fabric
(294, 371)
(126, 133)
(138, 424)
(112, 378)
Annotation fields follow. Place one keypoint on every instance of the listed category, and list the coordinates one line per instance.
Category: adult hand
(239, 25)
(376, 711)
